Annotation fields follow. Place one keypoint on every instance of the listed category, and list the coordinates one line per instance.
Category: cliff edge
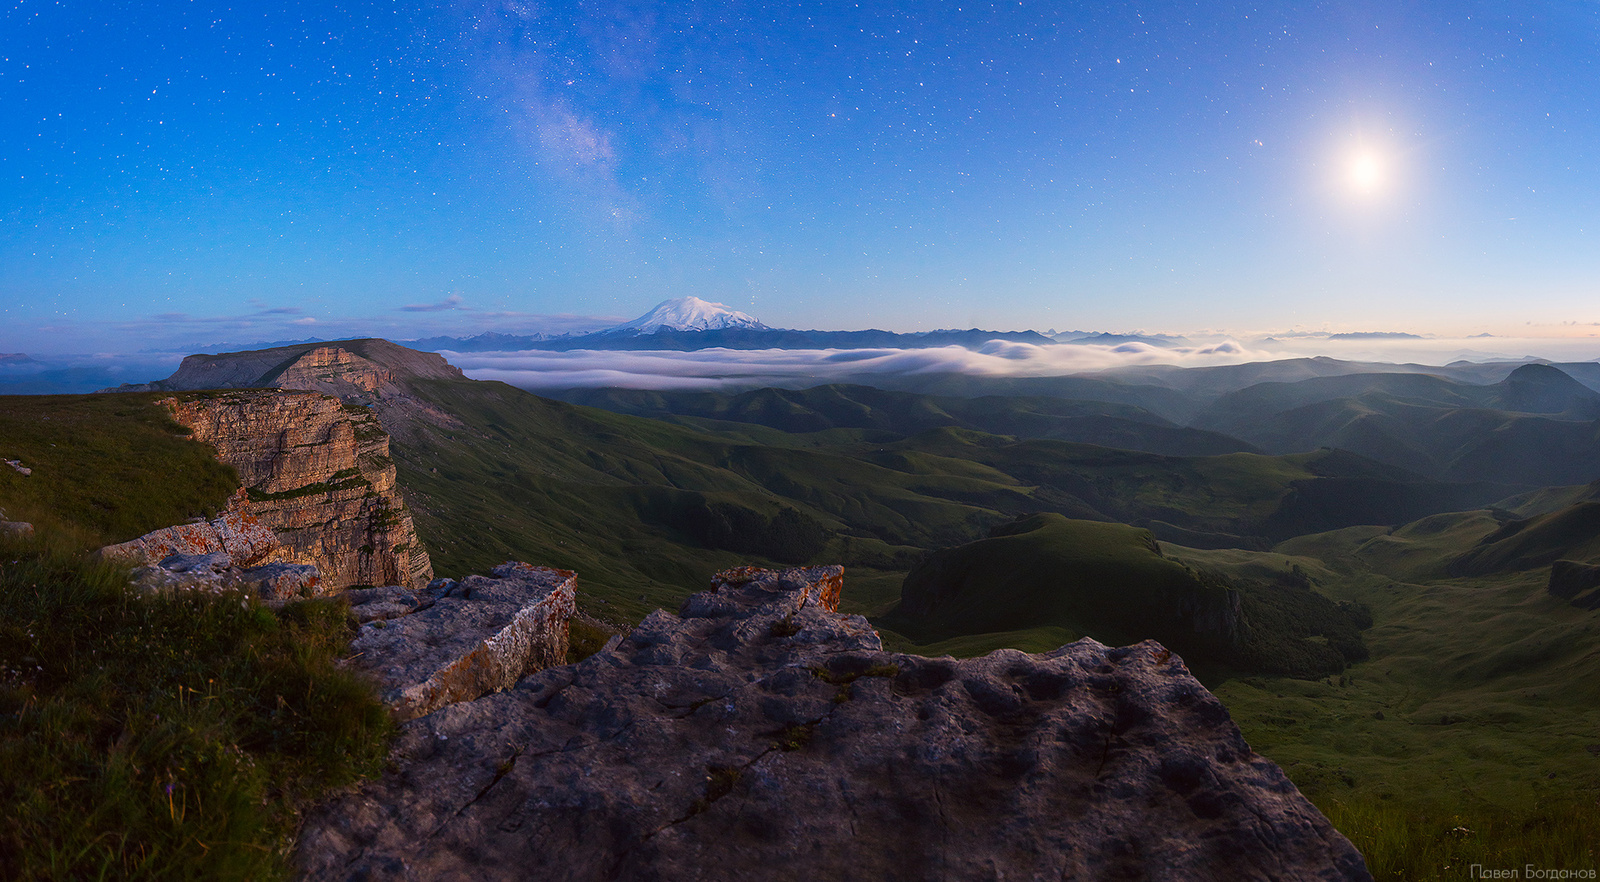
(318, 474)
(761, 734)
(318, 488)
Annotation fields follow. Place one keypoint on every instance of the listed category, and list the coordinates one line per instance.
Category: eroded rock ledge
(318, 490)
(761, 734)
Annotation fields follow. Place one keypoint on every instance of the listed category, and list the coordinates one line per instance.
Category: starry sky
(186, 172)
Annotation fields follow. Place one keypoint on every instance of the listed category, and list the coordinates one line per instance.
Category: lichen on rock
(455, 641)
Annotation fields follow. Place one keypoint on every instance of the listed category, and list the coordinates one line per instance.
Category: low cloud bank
(708, 369)
(1435, 350)
(713, 369)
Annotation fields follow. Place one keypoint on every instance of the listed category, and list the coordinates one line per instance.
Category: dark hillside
(1571, 532)
(820, 408)
(1537, 427)
(1110, 582)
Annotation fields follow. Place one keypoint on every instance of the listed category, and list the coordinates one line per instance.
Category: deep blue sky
(197, 171)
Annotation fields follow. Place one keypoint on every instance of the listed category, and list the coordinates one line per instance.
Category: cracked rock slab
(759, 734)
(462, 639)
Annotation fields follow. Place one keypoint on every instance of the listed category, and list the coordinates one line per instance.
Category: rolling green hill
(1112, 583)
(1537, 427)
(644, 507)
(905, 413)
(1571, 532)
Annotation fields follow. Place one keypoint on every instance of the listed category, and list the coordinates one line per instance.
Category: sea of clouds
(736, 368)
(713, 369)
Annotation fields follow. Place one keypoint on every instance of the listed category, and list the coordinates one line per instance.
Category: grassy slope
(1048, 577)
(1467, 736)
(106, 468)
(902, 413)
(165, 737)
(611, 496)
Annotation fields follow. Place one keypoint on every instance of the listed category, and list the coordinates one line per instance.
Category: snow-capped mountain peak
(689, 314)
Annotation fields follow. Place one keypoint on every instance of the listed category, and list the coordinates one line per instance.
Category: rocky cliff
(372, 372)
(317, 473)
(759, 734)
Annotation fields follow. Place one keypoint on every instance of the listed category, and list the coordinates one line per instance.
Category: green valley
(1385, 634)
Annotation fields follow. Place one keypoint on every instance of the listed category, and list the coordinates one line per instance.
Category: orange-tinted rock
(318, 474)
(237, 532)
(331, 369)
(819, 586)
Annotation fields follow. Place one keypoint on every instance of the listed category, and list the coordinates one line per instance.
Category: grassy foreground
(165, 737)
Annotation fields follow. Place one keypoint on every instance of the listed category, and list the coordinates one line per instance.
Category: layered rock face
(455, 641)
(761, 734)
(317, 473)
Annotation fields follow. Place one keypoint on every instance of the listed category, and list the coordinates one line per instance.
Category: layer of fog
(709, 369)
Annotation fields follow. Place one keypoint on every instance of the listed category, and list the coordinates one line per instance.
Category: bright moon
(1366, 172)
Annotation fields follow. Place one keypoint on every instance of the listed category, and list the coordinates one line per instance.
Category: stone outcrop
(316, 473)
(216, 573)
(455, 641)
(236, 533)
(760, 734)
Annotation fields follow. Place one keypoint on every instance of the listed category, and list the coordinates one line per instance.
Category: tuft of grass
(795, 736)
(586, 636)
(166, 736)
(845, 678)
(1418, 841)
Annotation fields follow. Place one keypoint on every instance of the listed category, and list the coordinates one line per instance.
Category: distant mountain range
(689, 323)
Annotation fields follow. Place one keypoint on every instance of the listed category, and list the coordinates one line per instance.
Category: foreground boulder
(760, 734)
(455, 641)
